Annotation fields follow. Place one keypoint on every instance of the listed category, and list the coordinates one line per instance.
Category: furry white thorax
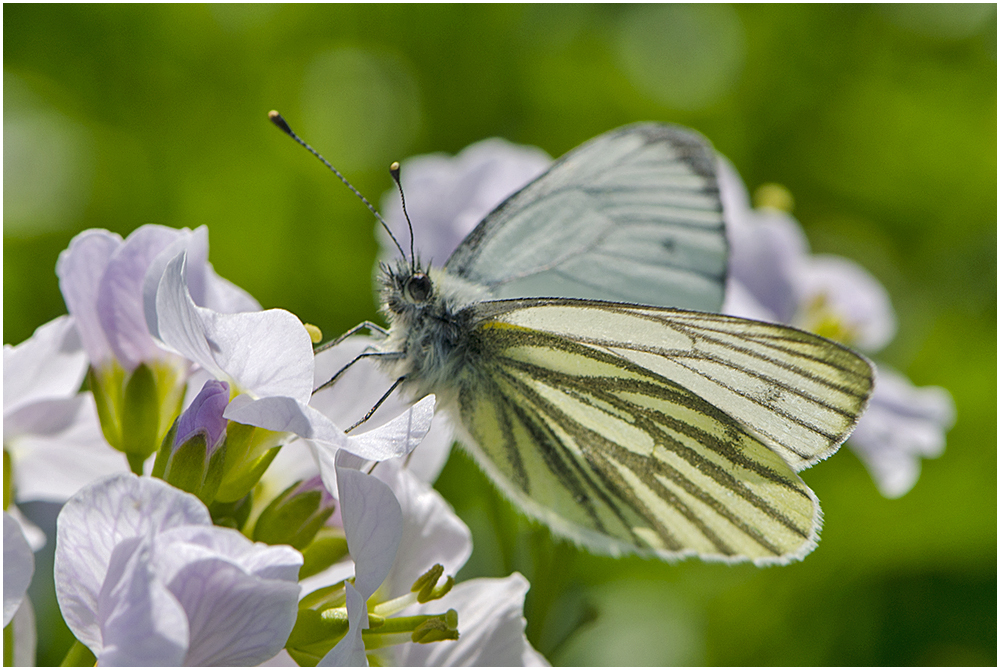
(430, 334)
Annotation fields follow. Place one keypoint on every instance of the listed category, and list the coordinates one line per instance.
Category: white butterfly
(557, 339)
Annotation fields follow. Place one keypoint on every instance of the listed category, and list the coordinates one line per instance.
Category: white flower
(373, 526)
(397, 529)
(774, 277)
(50, 429)
(903, 424)
(490, 611)
(138, 386)
(144, 578)
(103, 280)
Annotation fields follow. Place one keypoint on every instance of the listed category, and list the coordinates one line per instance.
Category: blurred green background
(880, 120)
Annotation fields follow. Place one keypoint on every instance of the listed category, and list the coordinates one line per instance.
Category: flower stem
(8, 643)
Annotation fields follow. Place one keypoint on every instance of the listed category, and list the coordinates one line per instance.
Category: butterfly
(572, 338)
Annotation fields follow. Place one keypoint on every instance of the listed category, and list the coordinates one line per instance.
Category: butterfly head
(406, 287)
(411, 292)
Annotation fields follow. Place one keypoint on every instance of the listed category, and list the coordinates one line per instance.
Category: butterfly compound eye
(419, 287)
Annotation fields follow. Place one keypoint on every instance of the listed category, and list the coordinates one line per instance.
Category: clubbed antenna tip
(394, 171)
(278, 120)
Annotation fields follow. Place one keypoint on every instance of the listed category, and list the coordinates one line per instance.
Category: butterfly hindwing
(581, 426)
(633, 215)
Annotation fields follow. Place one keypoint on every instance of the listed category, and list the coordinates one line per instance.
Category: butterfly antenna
(394, 171)
(279, 121)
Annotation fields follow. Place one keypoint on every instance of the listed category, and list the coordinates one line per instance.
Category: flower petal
(43, 417)
(93, 523)
(357, 391)
(18, 567)
(240, 597)
(80, 268)
(119, 298)
(850, 293)
(195, 245)
(285, 415)
(373, 524)
(141, 623)
(224, 296)
(178, 324)
(396, 438)
(55, 467)
(50, 364)
(766, 246)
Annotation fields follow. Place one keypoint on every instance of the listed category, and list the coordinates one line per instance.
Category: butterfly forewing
(633, 216)
(573, 408)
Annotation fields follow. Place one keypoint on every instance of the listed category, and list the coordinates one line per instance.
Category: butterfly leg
(378, 404)
(364, 325)
(364, 354)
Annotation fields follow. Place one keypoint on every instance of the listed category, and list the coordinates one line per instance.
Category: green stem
(8, 645)
(78, 656)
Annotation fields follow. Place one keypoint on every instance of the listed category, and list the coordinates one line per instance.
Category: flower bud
(192, 455)
(296, 515)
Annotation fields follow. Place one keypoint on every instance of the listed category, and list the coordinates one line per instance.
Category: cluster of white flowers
(204, 563)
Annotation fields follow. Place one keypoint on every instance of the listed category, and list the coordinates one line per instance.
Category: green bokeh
(880, 120)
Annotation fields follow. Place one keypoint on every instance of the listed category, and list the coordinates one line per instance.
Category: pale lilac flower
(144, 578)
(402, 513)
(491, 627)
(104, 278)
(903, 424)
(490, 610)
(104, 281)
(51, 429)
(373, 524)
(774, 277)
(18, 567)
